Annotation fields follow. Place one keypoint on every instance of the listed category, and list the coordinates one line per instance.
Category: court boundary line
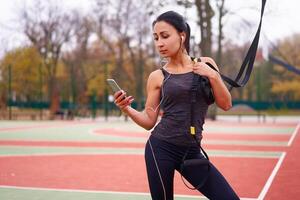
(217, 155)
(271, 177)
(51, 124)
(102, 192)
(294, 134)
(243, 142)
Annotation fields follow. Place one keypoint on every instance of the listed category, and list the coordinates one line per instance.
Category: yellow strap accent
(195, 60)
(193, 130)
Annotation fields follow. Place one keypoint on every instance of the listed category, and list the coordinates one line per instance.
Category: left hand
(203, 69)
(122, 101)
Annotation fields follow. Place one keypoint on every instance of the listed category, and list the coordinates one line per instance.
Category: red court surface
(93, 172)
(254, 174)
(286, 184)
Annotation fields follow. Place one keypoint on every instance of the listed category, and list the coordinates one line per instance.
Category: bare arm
(221, 93)
(147, 118)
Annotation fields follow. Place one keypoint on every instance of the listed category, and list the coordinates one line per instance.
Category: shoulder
(155, 78)
(156, 75)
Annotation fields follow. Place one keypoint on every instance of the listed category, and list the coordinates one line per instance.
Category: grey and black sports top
(174, 126)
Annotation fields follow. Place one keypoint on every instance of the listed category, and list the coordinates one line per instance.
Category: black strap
(246, 68)
(284, 64)
(164, 72)
(197, 162)
(193, 101)
(249, 59)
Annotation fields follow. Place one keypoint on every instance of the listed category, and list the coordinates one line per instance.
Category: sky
(281, 19)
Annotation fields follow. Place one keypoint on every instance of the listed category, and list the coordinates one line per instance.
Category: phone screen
(113, 84)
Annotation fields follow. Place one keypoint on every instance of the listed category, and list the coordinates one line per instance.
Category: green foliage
(286, 84)
(25, 65)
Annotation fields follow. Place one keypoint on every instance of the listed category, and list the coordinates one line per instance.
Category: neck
(179, 62)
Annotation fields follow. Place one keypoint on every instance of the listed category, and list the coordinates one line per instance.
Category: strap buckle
(192, 130)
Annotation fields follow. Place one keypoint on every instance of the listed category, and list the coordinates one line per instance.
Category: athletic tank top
(174, 126)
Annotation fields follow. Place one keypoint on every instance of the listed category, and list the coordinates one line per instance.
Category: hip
(166, 150)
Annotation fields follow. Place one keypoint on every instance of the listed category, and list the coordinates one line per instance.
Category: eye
(165, 36)
(155, 38)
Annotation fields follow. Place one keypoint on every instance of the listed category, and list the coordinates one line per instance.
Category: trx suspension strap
(246, 68)
(190, 164)
(248, 61)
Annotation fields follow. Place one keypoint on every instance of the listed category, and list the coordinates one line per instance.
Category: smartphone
(113, 84)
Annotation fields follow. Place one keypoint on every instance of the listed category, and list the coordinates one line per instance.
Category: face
(167, 39)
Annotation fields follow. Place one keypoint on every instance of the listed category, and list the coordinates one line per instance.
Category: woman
(169, 89)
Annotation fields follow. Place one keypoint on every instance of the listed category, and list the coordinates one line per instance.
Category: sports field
(89, 160)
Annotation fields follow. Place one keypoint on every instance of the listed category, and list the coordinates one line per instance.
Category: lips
(163, 51)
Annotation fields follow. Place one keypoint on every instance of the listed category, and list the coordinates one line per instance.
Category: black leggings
(163, 158)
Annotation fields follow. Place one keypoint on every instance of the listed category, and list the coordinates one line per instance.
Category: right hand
(122, 101)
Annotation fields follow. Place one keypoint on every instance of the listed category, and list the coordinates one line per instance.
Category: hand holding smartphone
(115, 88)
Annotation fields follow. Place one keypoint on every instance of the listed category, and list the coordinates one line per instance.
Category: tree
(112, 29)
(221, 13)
(205, 13)
(25, 63)
(186, 4)
(48, 28)
(77, 58)
(137, 44)
(124, 33)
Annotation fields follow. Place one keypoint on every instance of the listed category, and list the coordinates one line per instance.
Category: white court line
(72, 154)
(100, 192)
(54, 124)
(271, 178)
(140, 151)
(294, 135)
(87, 191)
(91, 131)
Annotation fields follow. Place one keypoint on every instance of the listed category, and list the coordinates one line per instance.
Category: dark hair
(178, 22)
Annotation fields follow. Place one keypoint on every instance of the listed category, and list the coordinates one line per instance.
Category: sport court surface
(89, 160)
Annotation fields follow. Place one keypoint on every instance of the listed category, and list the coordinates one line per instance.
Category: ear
(182, 36)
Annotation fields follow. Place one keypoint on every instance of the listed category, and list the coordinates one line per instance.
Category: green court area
(39, 194)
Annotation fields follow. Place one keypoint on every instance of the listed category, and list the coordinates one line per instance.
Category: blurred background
(56, 55)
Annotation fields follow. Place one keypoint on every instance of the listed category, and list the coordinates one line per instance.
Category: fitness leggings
(163, 158)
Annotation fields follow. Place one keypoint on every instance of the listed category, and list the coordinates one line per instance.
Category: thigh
(215, 186)
(160, 172)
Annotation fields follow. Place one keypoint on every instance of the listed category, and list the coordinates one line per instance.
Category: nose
(159, 43)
